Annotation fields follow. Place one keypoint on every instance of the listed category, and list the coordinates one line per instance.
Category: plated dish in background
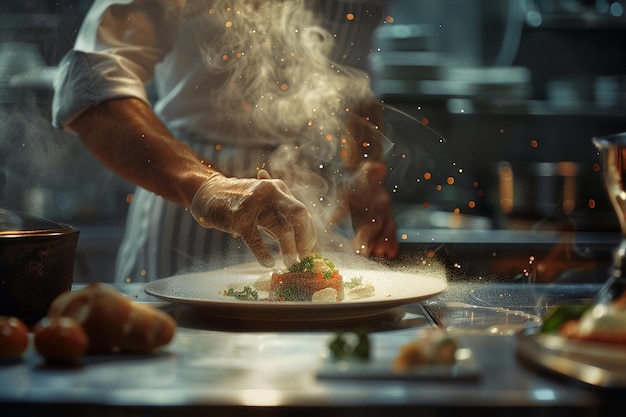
(594, 363)
(585, 342)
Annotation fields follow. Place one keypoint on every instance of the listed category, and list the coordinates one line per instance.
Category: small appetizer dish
(431, 354)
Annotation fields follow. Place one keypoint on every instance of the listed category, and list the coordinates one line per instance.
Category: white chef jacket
(120, 49)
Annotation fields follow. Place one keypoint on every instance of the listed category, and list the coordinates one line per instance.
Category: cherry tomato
(60, 339)
(13, 337)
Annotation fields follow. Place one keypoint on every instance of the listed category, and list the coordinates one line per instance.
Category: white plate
(205, 291)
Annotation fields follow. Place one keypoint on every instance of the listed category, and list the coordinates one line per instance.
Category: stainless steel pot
(36, 263)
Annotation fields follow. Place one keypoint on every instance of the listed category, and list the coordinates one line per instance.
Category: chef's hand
(243, 206)
(369, 205)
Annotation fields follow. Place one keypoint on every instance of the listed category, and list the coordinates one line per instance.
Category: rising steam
(281, 86)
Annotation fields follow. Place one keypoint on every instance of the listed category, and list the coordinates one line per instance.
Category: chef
(245, 125)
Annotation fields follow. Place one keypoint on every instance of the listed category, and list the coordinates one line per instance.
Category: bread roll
(112, 321)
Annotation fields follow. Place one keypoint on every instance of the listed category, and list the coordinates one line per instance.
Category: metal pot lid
(14, 222)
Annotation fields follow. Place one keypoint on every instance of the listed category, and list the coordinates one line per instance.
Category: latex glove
(243, 206)
(369, 204)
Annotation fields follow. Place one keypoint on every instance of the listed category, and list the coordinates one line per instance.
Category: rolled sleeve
(87, 79)
(117, 49)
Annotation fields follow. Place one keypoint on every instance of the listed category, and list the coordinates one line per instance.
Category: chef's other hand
(370, 207)
(243, 206)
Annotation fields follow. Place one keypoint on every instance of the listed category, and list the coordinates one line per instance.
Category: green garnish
(247, 294)
(353, 282)
(350, 345)
(293, 293)
(558, 315)
(307, 264)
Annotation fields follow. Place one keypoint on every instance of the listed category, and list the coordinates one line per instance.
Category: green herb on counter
(350, 345)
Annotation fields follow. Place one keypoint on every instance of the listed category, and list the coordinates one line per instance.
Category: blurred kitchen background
(494, 105)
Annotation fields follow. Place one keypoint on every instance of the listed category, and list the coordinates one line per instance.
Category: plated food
(314, 279)
(435, 347)
(583, 342)
(605, 324)
(602, 323)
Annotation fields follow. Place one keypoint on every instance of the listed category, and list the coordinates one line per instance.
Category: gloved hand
(369, 205)
(243, 206)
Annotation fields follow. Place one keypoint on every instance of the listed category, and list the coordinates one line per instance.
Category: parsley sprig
(307, 264)
(247, 294)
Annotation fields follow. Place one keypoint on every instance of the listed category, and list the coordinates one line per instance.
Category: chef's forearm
(128, 138)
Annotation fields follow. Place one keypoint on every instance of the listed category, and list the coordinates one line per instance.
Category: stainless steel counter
(216, 367)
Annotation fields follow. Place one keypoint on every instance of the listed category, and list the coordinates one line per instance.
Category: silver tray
(598, 364)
